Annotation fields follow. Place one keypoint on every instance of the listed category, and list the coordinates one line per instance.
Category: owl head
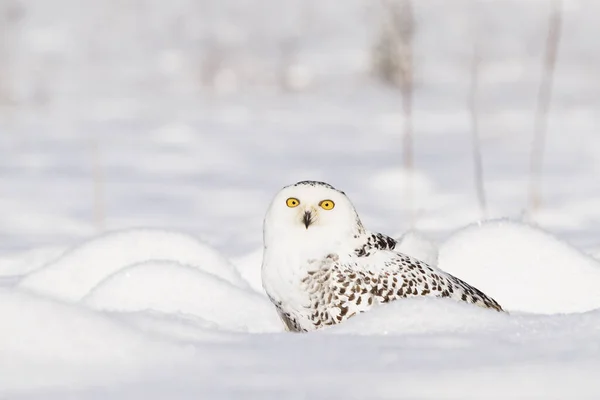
(311, 212)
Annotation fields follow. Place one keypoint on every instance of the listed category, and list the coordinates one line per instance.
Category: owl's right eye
(292, 202)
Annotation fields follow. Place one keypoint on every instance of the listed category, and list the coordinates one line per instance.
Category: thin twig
(11, 13)
(408, 155)
(543, 106)
(474, 111)
(393, 64)
(402, 32)
(406, 24)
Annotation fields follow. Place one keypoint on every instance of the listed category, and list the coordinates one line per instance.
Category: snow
(418, 246)
(21, 262)
(182, 328)
(180, 120)
(160, 327)
(249, 266)
(173, 288)
(74, 274)
(523, 268)
(47, 344)
(425, 316)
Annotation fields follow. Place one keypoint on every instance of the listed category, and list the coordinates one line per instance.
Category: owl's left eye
(292, 202)
(327, 204)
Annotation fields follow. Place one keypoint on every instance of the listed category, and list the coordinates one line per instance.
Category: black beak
(307, 219)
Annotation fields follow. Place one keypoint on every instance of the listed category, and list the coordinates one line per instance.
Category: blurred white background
(190, 115)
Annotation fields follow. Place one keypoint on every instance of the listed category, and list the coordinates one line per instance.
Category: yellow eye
(292, 202)
(327, 204)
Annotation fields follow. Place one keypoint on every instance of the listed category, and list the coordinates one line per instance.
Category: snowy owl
(321, 266)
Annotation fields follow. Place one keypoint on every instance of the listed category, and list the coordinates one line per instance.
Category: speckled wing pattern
(341, 287)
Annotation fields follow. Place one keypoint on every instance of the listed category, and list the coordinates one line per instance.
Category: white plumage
(320, 266)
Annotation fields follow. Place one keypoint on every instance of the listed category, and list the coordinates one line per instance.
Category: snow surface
(418, 246)
(173, 288)
(249, 266)
(111, 120)
(21, 262)
(523, 268)
(74, 274)
(45, 344)
(159, 327)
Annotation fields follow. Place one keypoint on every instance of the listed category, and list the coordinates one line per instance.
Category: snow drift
(523, 268)
(157, 313)
(22, 262)
(45, 343)
(74, 274)
(173, 288)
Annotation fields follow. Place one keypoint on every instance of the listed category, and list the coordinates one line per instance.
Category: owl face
(311, 211)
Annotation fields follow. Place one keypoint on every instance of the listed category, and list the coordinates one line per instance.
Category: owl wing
(381, 275)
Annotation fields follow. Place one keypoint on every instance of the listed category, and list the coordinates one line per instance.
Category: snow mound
(418, 246)
(422, 315)
(523, 268)
(435, 321)
(46, 343)
(171, 327)
(23, 262)
(173, 288)
(73, 275)
(249, 267)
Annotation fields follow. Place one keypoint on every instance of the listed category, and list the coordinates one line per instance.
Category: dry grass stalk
(11, 13)
(475, 136)
(543, 106)
(393, 63)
